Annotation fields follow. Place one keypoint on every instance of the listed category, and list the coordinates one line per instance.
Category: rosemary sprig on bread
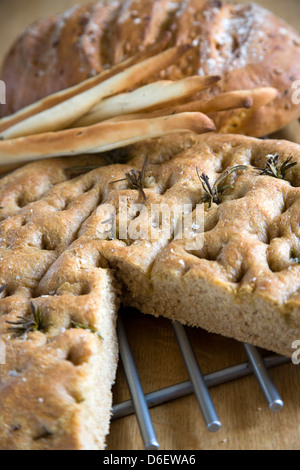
(81, 326)
(36, 322)
(212, 194)
(275, 169)
(136, 179)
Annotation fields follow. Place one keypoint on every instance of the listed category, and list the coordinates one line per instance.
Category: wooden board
(247, 421)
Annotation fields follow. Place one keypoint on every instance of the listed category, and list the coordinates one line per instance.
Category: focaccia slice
(61, 350)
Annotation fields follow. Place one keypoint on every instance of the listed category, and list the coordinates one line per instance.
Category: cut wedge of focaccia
(59, 258)
(55, 387)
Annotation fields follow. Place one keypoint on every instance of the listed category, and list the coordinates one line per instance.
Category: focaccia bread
(61, 260)
(55, 385)
(246, 45)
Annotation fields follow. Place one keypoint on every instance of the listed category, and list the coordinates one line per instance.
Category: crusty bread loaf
(245, 44)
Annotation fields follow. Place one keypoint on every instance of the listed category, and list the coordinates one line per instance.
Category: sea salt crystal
(13, 373)
(172, 6)
(211, 63)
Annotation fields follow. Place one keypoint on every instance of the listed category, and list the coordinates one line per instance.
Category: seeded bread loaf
(245, 44)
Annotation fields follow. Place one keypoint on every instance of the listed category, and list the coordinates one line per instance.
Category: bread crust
(245, 44)
(243, 282)
(56, 382)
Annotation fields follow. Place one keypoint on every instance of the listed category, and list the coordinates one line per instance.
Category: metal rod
(184, 389)
(210, 416)
(264, 379)
(136, 391)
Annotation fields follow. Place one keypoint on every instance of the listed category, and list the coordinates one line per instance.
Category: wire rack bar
(183, 389)
(198, 383)
(263, 377)
(138, 398)
(204, 399)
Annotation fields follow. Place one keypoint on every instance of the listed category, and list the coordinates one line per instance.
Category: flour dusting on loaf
(245, 44)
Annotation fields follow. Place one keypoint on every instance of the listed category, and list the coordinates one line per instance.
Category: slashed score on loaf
(247, 45)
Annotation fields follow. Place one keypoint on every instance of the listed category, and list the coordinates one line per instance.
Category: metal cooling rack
(198, 384)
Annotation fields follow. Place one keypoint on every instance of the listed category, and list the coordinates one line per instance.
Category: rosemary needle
(136, 179)
(36, 322)
(2, 289)
(86, 327)
(212, 194)
(274, 169)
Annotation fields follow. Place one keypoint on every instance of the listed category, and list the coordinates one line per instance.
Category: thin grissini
(99, 137)
(261, 97)
(64, 114)
(246, 99)
(234, 99)
(151, 96)
(61, 96)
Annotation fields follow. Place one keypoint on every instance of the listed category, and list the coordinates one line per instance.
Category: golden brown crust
(245, 44)
(55, 251)
(43, 52)
(56, 383)
(99, 137)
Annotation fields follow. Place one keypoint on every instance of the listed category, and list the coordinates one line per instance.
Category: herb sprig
(86, 327)
(37, 322)
(2, 289)
(80, 170)
(295, 256)
(136, 179)
(114, 156)
(213, 194)
(274, 169)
